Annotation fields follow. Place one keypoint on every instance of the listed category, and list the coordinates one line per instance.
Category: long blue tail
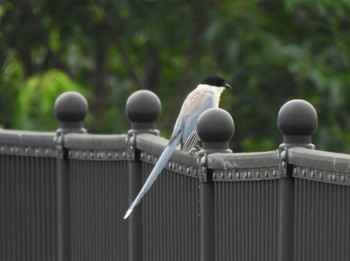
(163, 160)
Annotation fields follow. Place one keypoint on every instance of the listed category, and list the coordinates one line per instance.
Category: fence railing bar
(95, 142)
(336, 162)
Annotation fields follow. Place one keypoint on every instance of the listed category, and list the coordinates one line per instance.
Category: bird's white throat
(215, 89)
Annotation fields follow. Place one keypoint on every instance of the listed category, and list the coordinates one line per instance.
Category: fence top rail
(154, 145)
(254, 166)
(94, 141)
(321, 160)
(27, 138)
(243, 160)
(226, 164)
(28, 143)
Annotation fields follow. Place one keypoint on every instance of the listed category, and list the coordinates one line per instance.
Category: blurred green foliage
(271, 51)
(34, 101)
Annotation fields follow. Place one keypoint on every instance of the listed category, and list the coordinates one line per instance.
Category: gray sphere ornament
(215, 128)
(143, 109)
(297, 121)
(70, 110)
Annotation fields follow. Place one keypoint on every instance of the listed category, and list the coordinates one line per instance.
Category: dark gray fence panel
(322, 227)
(171, 217)
(322, 200)
(28, 219)
(28, 197)
(246, 205)
(171, 221)
(246, 220)
(98, 195)
(98, 191)
(251, 214)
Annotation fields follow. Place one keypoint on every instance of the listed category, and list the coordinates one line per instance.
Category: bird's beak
(226, 85)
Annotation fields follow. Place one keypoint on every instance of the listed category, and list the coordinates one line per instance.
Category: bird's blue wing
(194, 105)
(190, 122)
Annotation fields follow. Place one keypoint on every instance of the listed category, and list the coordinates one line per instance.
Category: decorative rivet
(312, 174)
(230, 175)
(303, 172)
(237, 174)
(342, 178)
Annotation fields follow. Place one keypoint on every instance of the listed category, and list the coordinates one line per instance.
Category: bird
(205, 96)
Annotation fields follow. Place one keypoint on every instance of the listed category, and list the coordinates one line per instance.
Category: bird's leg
(196, 148)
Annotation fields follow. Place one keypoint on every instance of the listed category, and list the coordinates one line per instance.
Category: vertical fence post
(215, 128)
(297, 121)
(143, 109)
(70, 110)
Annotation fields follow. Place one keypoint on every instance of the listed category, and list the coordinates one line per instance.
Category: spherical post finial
(143, 109)
(71, 109)
(297, 121)
(215, 128)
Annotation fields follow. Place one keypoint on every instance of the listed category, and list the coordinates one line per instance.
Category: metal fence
(63, 195)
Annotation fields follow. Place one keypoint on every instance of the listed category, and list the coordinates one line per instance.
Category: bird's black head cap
(215, 81)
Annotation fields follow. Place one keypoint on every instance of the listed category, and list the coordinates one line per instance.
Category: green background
(270, 51)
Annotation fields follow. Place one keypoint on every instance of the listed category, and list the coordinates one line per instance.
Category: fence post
(143, 109)
(215, 128)
(70, 110)
(297, 121)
